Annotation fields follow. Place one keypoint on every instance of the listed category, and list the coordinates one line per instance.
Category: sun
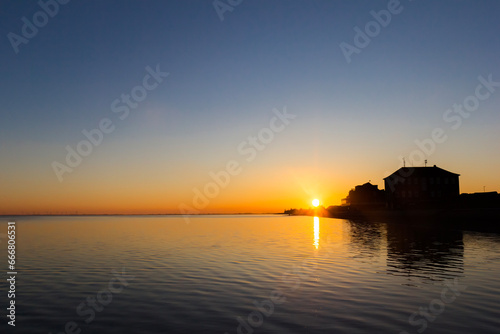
(315, 202)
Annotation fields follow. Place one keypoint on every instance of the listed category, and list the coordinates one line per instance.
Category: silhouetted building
(365, 196)
(480, 200)
(421, 187)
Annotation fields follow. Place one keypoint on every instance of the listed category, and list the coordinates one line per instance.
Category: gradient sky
(354, 121)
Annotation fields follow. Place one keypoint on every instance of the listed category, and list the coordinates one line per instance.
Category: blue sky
(353, 119)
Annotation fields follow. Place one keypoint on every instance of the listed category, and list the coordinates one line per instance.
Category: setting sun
(315, 202)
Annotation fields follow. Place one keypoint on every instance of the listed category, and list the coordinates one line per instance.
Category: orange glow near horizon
(121, 193)
(125, 191)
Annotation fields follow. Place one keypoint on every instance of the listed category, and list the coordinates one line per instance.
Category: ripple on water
(203, 276)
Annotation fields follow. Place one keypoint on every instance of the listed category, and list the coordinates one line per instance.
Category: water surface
(252, 274)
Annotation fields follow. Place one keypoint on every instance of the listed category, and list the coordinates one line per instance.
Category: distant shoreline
(474, 219)
(137, 214)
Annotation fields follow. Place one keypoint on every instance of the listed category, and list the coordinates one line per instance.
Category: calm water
(250, 274)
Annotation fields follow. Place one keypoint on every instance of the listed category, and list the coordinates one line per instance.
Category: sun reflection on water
(316, 232)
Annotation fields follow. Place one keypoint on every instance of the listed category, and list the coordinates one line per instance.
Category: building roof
(421, 171)
(367, 185)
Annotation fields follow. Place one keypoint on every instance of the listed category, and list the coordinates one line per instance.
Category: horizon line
(139, 214)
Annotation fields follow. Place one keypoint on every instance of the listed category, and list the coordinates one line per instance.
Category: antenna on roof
(425, 162)
(404, 162)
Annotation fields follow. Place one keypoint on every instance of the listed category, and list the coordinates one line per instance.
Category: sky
(240, 106)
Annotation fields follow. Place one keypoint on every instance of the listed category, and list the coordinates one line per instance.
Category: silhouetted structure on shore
(319, 211)
(480, 200)
(421, 187)
(366, 196)
(417, 195)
